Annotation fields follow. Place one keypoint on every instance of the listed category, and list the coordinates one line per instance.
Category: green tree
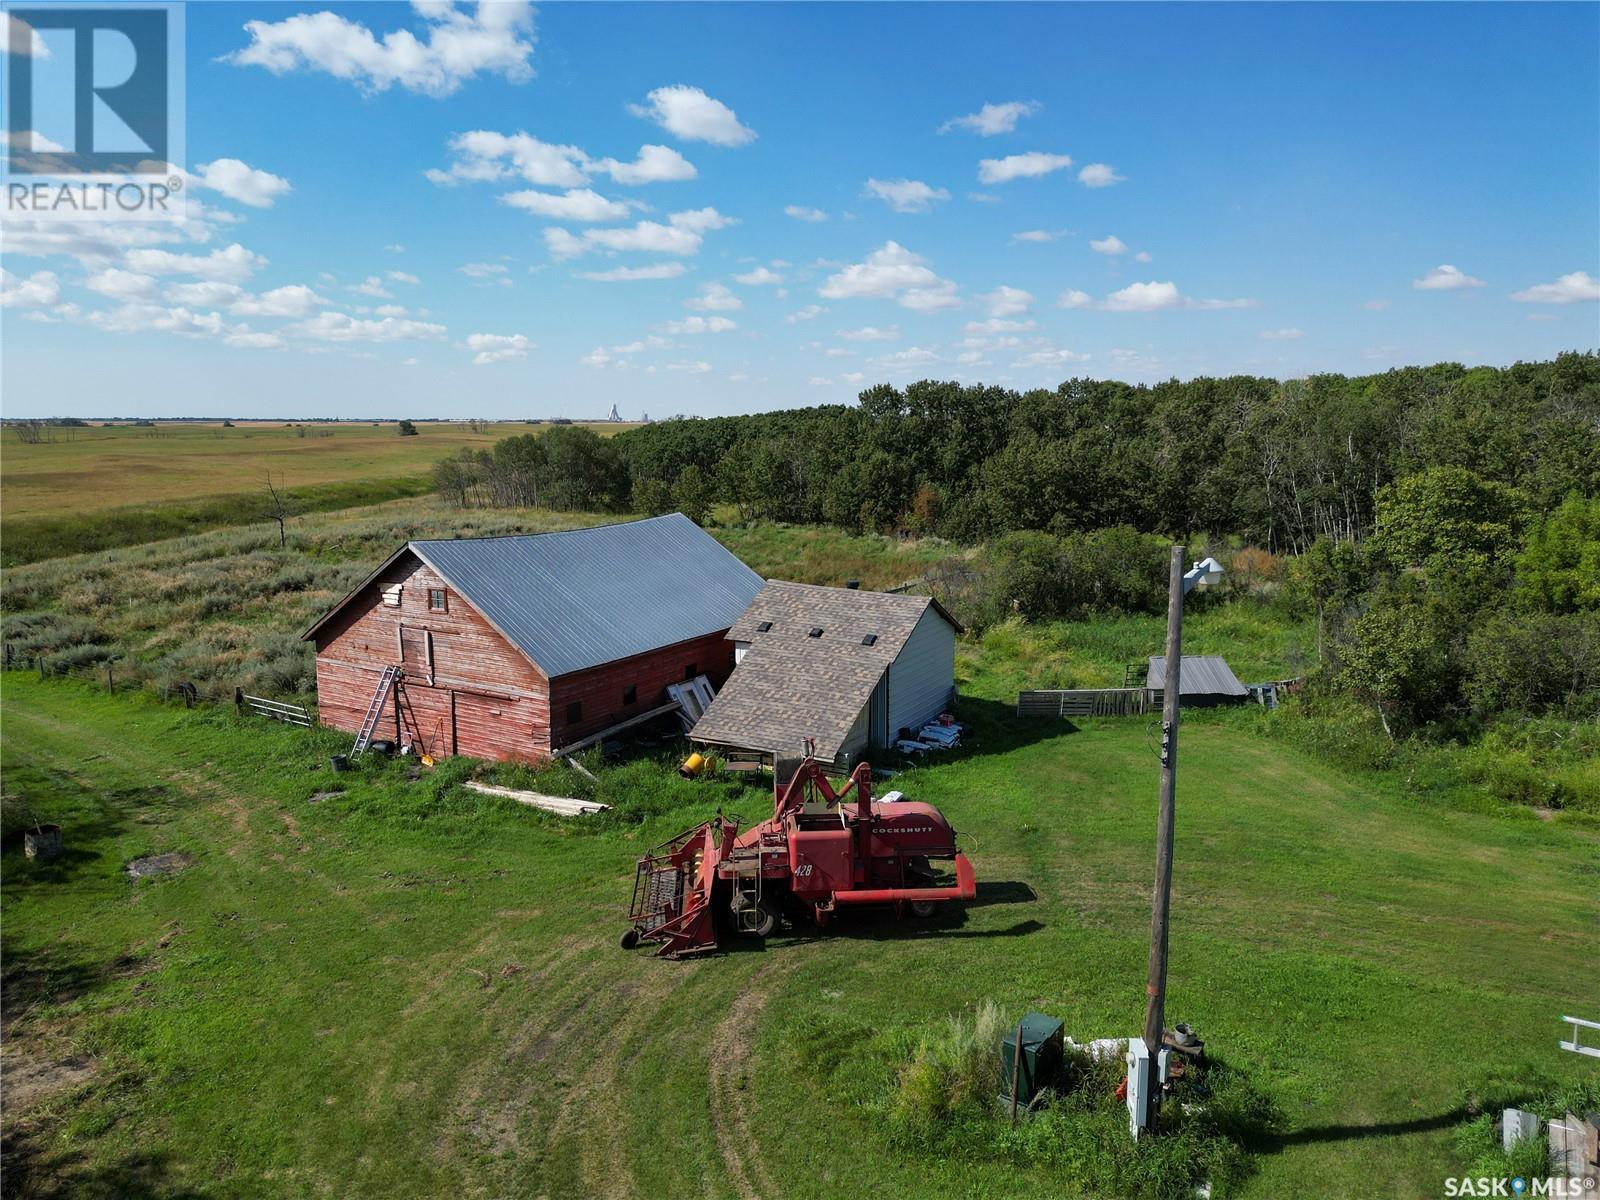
(1399, 659)
(691, 495)
(1329, 576)
(408, 429)
(1559, 569)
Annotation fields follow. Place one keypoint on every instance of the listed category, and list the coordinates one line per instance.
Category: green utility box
(1041, 1049)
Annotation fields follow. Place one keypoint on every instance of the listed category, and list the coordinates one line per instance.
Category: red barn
(513, 647)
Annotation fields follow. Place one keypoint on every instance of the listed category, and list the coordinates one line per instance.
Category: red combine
(815, 855)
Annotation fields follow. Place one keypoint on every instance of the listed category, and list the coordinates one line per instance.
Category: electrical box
(1139, 1085)
(1516, 1125)
(1041, 1049)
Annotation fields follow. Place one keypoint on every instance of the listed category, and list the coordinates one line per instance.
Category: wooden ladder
(369, 723)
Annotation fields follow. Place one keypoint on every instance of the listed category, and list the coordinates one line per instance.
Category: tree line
(1276, 463)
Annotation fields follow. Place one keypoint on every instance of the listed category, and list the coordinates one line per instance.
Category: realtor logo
(93, 91)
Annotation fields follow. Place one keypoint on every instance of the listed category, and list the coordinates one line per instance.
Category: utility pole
(1156, 984)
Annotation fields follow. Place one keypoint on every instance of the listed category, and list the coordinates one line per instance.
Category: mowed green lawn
(410, 990)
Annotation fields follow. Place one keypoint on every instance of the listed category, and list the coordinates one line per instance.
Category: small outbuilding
(515, 647)
(851, 670)
(1204, 681)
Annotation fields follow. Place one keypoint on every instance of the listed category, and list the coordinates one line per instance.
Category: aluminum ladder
(369, 723)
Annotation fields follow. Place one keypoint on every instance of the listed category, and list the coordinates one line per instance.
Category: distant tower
(615, 415)
(645, 418)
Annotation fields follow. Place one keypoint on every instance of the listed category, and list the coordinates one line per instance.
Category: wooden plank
(567, 806)
(584, 743)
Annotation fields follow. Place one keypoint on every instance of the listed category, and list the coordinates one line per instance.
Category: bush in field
(954, 1075)
(1529, 662)
(1041, 576)
(1399, 659)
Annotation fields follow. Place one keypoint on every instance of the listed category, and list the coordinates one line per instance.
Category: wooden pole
(1016, 1071)
(1156, 984)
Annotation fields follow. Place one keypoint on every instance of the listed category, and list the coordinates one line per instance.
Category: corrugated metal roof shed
(582, 597)
(1200, 675)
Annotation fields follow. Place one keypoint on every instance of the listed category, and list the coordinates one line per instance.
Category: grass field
(116, 485)
(407, 989)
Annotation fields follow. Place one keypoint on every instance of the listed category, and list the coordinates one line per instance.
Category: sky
(439, 210)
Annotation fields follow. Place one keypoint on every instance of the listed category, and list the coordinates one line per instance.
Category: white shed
(848, 669)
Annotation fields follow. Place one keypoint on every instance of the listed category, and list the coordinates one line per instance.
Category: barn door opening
(414, 652)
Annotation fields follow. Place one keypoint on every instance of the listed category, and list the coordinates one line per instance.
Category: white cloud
(38, 290)
(1149, 297)
(295, 300)
(692, 368)
(1049, 358)
(820, 381)
(801, 213)
(208, 294)
(1037, 235)
(648, 237)
(1021, 166)
(809, 313)
(911, 356)
(372, 286)
(1007, 301)
(141, 318)
(1110, 244)
(700, 220)
(760, 277)
(341, 327)
(596, 357)
(486, 273)
(482, 155)
(23, 41)
(983, 197)
(905, 195)
(993, 118)
(665, 270)
(996, 325)
(892, 271)
(496, 38)
(1099, 175)
(576, 204)
(655, 164)
(253, 341)
(1072, 298)
(693, 325)
(400, 277)
(496, 347)
(1445, 279)
(121, 285)
(231, 264)
(395, 248)
(1142, 257)
(715, 297)
(1569, 289)
(241, 182)
(390, 310)
(688, 113)
(869, 333)
(1281, 335)
(1375, 305)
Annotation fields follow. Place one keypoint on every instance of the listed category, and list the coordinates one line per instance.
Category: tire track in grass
(729, 1072)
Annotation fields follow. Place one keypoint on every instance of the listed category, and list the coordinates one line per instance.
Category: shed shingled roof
(790, 685)
(1199, 675)
(578, 598)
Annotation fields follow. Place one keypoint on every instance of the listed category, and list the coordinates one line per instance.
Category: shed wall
(600, 689)
(924, 673)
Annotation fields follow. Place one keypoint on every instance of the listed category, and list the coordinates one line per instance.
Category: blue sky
(396, 227)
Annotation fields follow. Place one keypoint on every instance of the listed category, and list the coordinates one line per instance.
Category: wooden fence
(1089, 702)
(289, 714)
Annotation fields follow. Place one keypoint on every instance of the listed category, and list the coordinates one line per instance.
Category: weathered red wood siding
(478, 696)
(600, 689)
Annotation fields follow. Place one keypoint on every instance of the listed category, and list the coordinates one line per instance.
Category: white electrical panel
(1139, 1084)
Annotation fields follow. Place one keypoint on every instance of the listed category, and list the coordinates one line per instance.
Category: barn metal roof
(1199, 675)
(582, 597)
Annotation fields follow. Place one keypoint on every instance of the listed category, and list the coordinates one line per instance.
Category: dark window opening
(763, 627)
(630, 694)
(436, 599)
(870, 640)
(691, 670)
(574, 712)
(816, 631)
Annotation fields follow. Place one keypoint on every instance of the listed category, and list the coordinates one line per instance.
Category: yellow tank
(692, 765)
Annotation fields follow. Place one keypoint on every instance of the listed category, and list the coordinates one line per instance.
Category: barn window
(630, 694)
(763, 627)
(391, 596)
(870, 640)
(436, 599)
(816, 631)
(574, 712)
(691, 670)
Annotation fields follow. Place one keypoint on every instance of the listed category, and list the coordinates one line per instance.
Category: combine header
(820, 851)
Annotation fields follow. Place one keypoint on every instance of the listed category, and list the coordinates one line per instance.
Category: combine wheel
(766, 918)
(630, 938)
(923, 908)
